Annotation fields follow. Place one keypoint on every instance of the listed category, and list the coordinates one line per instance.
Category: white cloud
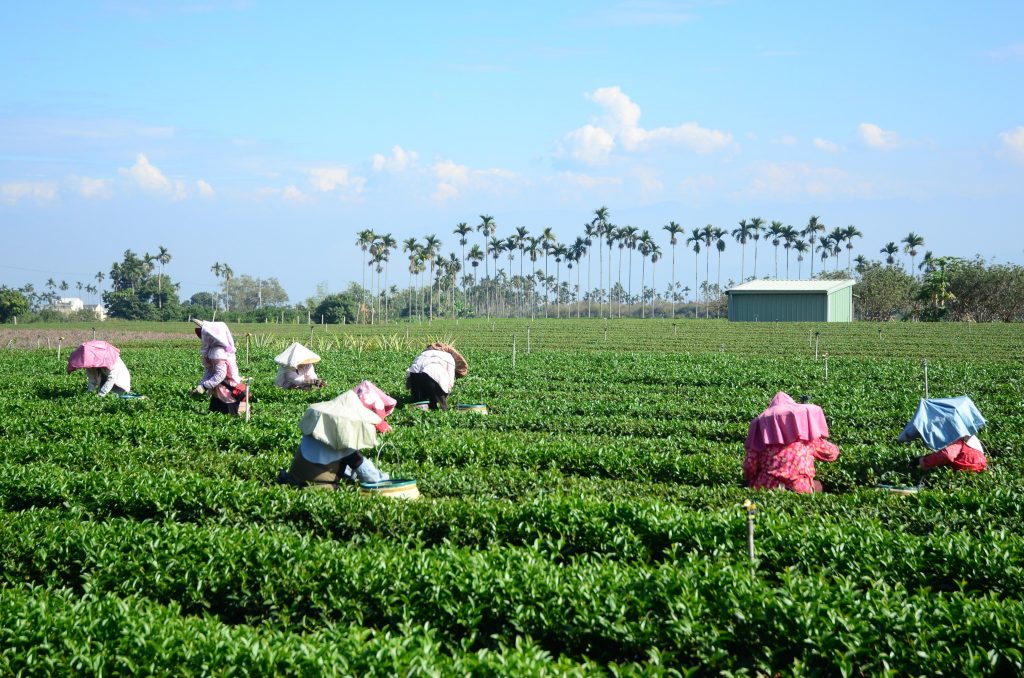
(89, 187)
(792, 180)
(695, 187)
(620, 126)
(293, 194)
(826, 145)
(147, 177)
(1008, 52)
(589, 144)
(205, 189)
(12, 193)
(399, 161)
(337, 179)
(588, 180)
(876, 137)
(1014, 142)
(180, 191)
(787, 140)
(453, 179)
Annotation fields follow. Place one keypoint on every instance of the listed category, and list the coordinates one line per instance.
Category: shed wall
(840, 306)
(783, 307)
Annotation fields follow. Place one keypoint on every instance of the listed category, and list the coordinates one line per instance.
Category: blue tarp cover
(943, 421)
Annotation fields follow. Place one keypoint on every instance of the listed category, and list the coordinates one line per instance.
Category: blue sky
(266, 134)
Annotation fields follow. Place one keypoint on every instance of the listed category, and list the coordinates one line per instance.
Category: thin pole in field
(247, 335)
(513, 351)
(925, 363)
(59, 342)
(816, 336)
(826, 365)
(528, 342)
(751, 509)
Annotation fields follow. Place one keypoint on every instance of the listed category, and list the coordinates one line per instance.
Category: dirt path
(48, 338)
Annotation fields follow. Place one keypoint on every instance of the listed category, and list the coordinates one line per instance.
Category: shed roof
(792, 286)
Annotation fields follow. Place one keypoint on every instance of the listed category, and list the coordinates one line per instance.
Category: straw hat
(198, 322)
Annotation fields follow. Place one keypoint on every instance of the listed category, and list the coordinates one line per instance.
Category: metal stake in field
(59, 342)
(247, 335)
(751, 509)
(816, 336)
(311, 328)
(248, 406)
(528, 343)
(925, 363)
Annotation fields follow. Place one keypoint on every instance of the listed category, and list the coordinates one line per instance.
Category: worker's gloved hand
(319, 383)
(197, 391)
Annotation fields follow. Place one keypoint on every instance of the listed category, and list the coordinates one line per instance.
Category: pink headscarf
(784, 422)
(377, 401)
(217, 341)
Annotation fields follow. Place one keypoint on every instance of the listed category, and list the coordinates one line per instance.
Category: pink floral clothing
(789, 466)
(963, 455)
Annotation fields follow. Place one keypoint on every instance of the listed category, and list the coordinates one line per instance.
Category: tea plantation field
(590, 524)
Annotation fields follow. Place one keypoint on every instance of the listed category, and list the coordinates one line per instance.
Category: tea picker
(295, 368)
(432, 374)
(949, 428)
(334, 434)
(105, 372)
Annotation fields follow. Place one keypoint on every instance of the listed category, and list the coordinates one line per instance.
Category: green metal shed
(792, 301)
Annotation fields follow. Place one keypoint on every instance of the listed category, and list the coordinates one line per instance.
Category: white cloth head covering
(296, 355)
(342, 423)
(217, 340)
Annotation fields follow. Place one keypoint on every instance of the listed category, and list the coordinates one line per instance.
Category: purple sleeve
(219, 373)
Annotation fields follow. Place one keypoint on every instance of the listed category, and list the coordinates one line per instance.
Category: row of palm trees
(503, 293)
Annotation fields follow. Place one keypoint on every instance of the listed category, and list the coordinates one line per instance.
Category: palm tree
(655, 256)
(475, 256)
(578, 249)
(387, 244)
(849, 234)
(742, 235)
(510, 245)
(720, 246)
(497, 247)
(462, 230)
(927, 262)
(862, 263)
(600, 221)
(811, 231)
(890, 250)
(825, 248)
(632, 239)
(227, 273)
(789, 236)
(910, 245)
(621, 236)
(520, 239)
(775, 233)
(646, 245)
(610, 235)
(836, 237)
(756, 229)
(164, 258)
(589, 231)
(216, 269)
(547, 240)
(533, 249)
(454, 268)
(708, 235)
(800, 247)
(674, 230)
(695, 239)
(364, 239)
(559, 251)
(487, 228)
(100, 277)
(412, 248)
(431, 248)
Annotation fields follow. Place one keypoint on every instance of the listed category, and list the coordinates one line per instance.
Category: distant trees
(12, 304)
(245, 293)
(136, 293)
